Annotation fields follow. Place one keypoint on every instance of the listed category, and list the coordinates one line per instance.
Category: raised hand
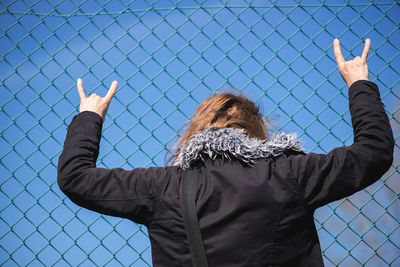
(94, 102)
(353, 70)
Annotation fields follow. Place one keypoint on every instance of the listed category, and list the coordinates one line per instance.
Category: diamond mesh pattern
(168, 56)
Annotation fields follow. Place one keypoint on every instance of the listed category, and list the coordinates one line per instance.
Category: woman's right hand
(353, 70)
(94, 102)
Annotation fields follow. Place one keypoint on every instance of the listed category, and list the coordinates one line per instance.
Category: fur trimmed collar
(229, 143)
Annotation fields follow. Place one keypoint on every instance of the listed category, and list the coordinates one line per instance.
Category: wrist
(91, 110)
(352, 82)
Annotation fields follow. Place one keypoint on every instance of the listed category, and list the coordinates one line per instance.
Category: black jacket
(249, 216)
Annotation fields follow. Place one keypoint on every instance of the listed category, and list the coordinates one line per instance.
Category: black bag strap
(196, 245)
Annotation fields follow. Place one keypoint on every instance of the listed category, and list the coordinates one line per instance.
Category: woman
(255, 198)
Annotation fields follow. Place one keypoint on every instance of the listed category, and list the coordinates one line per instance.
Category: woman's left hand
(352, 70)
(95, 102)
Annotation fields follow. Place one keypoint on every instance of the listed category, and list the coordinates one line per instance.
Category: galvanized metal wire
(168, 56)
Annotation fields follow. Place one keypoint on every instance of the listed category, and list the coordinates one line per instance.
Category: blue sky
(167, 60)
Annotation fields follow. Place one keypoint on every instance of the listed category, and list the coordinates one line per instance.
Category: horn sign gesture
(95, 102)
(353, 70)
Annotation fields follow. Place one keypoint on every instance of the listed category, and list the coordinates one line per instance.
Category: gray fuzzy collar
(229, 143)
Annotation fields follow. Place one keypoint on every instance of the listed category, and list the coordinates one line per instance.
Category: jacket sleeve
(346, 170)
(116, 192)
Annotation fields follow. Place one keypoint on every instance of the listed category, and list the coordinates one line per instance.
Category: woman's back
(249, 216)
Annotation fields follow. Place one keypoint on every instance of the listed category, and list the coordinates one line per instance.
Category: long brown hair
(224, 110)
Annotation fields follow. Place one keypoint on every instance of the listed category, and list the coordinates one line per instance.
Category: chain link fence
(168, 56)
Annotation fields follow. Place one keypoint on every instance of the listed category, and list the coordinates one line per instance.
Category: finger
(366, 50)
(81, 92)
(111, 91)
(338, 53)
